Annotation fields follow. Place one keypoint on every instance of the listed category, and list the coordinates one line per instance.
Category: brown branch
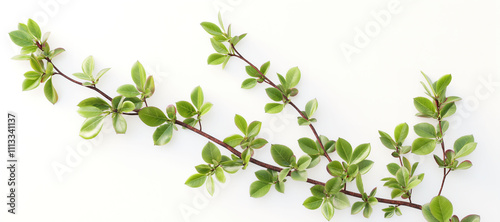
(268, 81)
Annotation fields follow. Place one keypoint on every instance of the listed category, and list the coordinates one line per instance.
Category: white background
(126, 178)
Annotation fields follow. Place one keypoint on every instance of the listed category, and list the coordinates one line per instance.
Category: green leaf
(283, 174)
(219, 47)
(334, 185)
(196, 180)
(21, 57)
(274, 94)
(203, 168)
(303, 162)
(35, 64)
(101, 73)
(210, 185)
(216, 59)
(264, 67)
(57, 52)
(21, 38)
(293, 77)
(249, 83)
(340, 201)
(139, 76)
(185, 109)
(273, 108)
(423, 146)
(34, 29)
(466, 150)
(442, 83)
(233, 140)
(253, 129)
(50, 91)
(448, 110)
(149, 88)
(387, 140)
(365, 166)
(163, 134)
(471, 218)
(425, 130)
(402, 176)
(128, 90)
(344, 149)
(252, 72)
(299, 175)
(327, 210)
(367, 211)
(241, 123)
(426, 211)
(308, 146)
(119, 123)
(219, 174)
(29, 49)
(282, 155)
(335, 168)
(393, 168)
(205, 108)
(318, 191)
(462, 141)
(360, 153)
(359, 184)
(152, 116)
(264, 175)
(280, 186)
(127, 106)
(357, 207)
(424, 106)
(89, 111)
(311, 107)
(313, 203)
(259, 189)
(441, 208)
(197, 97)
(401, 132)
(88, 66)
(211, 154)
(29, 84)
(464, 165)
(211, 28)
(91, 127)
(96, 102)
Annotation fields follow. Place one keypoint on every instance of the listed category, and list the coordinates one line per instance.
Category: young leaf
(35, 64)
(313, 203)
(211, 28)
(152, 116)
(461, 142)
(471, 218)
(303, 162)
(197, 97)
(424, 106)
(196, 180)
(308, 146)
(335, 168)
(253, 129)
(311, 107)
(163, 134)
(101, 73)
(252, 72)
(401, 132)
(139, 76)
(205, 108)
(259, 189)
(425, 130)
(219, 47)
(219, 174)
(21, 38)
(466, 150)
(334, 185)
(357, 207)
(282, 155)
(34, 29)
(327, 210)
(185, 109)
(128, 90)
(241, 123)
(89, 111)
(299, 175)
(423, 146)
(88, 66)
(360, 153)
(273, 108)
(233, 140)
(210, 185)
(364, 166)
(249, 83)
(441, 208)
(50, 91)
(344, 149)
(119, 123)
(211, 154)
(96, 102)
(274, 94)
(216, 59)
(91, 127)
(265, 67)
(293, 77)
(442, 83)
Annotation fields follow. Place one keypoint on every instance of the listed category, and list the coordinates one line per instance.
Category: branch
(268, 81)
